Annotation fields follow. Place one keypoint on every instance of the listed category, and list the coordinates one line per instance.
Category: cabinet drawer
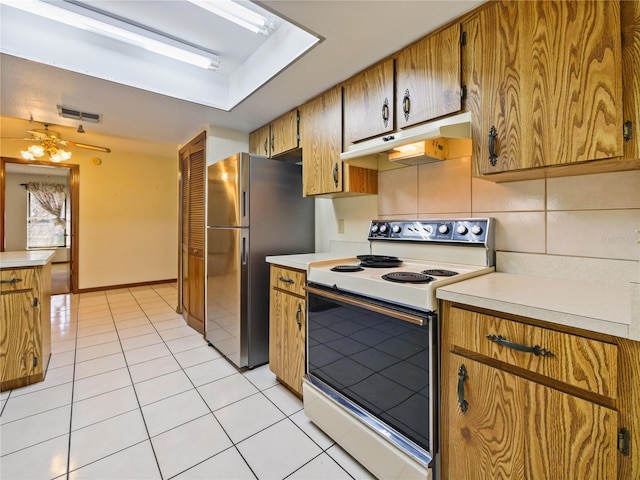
(577, 361)
(17, 279)
(288, 279)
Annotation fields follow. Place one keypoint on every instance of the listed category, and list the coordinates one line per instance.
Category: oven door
(378, 362)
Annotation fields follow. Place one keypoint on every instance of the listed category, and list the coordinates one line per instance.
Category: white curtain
(52, 197)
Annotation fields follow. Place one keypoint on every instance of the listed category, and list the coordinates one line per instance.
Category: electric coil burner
(372, 339)
(407, 277)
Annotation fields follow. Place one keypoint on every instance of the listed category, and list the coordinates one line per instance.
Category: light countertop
(302, 261)
(29, 258)
(592, 306)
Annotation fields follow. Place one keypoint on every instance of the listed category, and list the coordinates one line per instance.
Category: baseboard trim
(126, 285)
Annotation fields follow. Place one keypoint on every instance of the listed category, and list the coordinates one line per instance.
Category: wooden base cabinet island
(25, 324)
(521, 399)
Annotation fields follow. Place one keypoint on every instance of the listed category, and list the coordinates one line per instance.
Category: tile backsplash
(593, 216)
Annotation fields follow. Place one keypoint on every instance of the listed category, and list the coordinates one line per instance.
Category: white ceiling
(356, 34)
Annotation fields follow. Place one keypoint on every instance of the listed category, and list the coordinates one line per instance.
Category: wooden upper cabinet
(284, 133)
(630, 15)
(321, 141)
(260, 141)
(428, 78)
(544, 83)
(368, 103)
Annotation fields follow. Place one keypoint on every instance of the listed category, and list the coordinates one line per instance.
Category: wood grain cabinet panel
(507, 413)
(544, 83)
(581, 362)
(260, 141)
(25, 328)
(368, 103)
(284, 133)
(428, 78)
(287, 327)
(630, 15)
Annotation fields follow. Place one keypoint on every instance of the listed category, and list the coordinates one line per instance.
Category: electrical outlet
(340, 225)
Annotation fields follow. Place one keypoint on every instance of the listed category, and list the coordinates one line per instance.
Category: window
(44, 229)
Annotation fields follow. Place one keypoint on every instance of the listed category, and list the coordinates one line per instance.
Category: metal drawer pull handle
(286, 280)
(298, 317)
(12, 281)
(493, 157)
(335, 175)
(537, 350)
(462, 376)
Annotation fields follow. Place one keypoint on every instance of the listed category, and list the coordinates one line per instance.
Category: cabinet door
(428, 78)
(284, 133)
(544, 83)
(19, 335)
(516, 428)
(260, 142)
(631, 75)
(321, 141)
(287, 327)
(368, 103)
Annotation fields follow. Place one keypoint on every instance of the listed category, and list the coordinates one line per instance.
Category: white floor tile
(179, 332)
(145, 354)
(54, 377)
(87, 331)
(227, 465)
(283, 399)
(99, 365)
(192, 357)
(210, 371)
(173, 411)
(102, 383)
(137, 462)
(44, 460)
(261, 377)
(248, 416)
(66, 346)
(140, 341)
(306, 425)
(278, 451)
(186, 343)
(102, 407)
(164, 317)
(322, 467)
(97, 351)
(63, 336)
(98, 339)
(226, 391)
(153, 368)
(135, 331)
(189, 444)
(22, 406)
(165, 386)
(105, 438)
(32, 430)
(134, 322)
(61, 360)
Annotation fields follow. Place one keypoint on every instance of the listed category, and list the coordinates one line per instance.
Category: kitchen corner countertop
(302, 261)
(597, 307)
(30, 258)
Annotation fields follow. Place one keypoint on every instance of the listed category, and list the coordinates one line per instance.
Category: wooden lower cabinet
(287, 327)
(504, 416)
(25, 328)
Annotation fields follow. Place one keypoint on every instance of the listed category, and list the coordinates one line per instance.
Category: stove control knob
(476, 229)
(374, 228)
(383, 228)
(443, 228)
(462, 230)
(396, 228)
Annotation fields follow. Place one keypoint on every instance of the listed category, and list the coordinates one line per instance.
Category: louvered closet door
(193, 165)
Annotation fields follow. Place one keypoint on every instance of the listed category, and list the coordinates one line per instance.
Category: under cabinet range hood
(416, 145)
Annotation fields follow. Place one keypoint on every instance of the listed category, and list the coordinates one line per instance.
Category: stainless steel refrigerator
(255, 208)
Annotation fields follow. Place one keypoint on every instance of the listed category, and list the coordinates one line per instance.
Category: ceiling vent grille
(78, 115)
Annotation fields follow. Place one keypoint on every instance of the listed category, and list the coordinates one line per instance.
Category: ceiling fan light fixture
(122, 32)
(36, 150)
(27, 155)
(58, 155)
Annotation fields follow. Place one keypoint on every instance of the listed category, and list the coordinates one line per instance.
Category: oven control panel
(468, 230)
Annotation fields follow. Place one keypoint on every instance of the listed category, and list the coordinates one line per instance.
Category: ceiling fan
(48, 143)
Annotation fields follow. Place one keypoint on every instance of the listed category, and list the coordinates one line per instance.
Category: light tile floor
(133, 393)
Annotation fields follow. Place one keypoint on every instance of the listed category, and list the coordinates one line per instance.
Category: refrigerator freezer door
(227, 263)
(227, 193)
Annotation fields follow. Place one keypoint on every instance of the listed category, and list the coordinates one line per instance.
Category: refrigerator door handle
(244, 204)
(244, 249)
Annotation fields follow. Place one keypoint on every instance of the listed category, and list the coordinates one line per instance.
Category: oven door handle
(368, 306)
